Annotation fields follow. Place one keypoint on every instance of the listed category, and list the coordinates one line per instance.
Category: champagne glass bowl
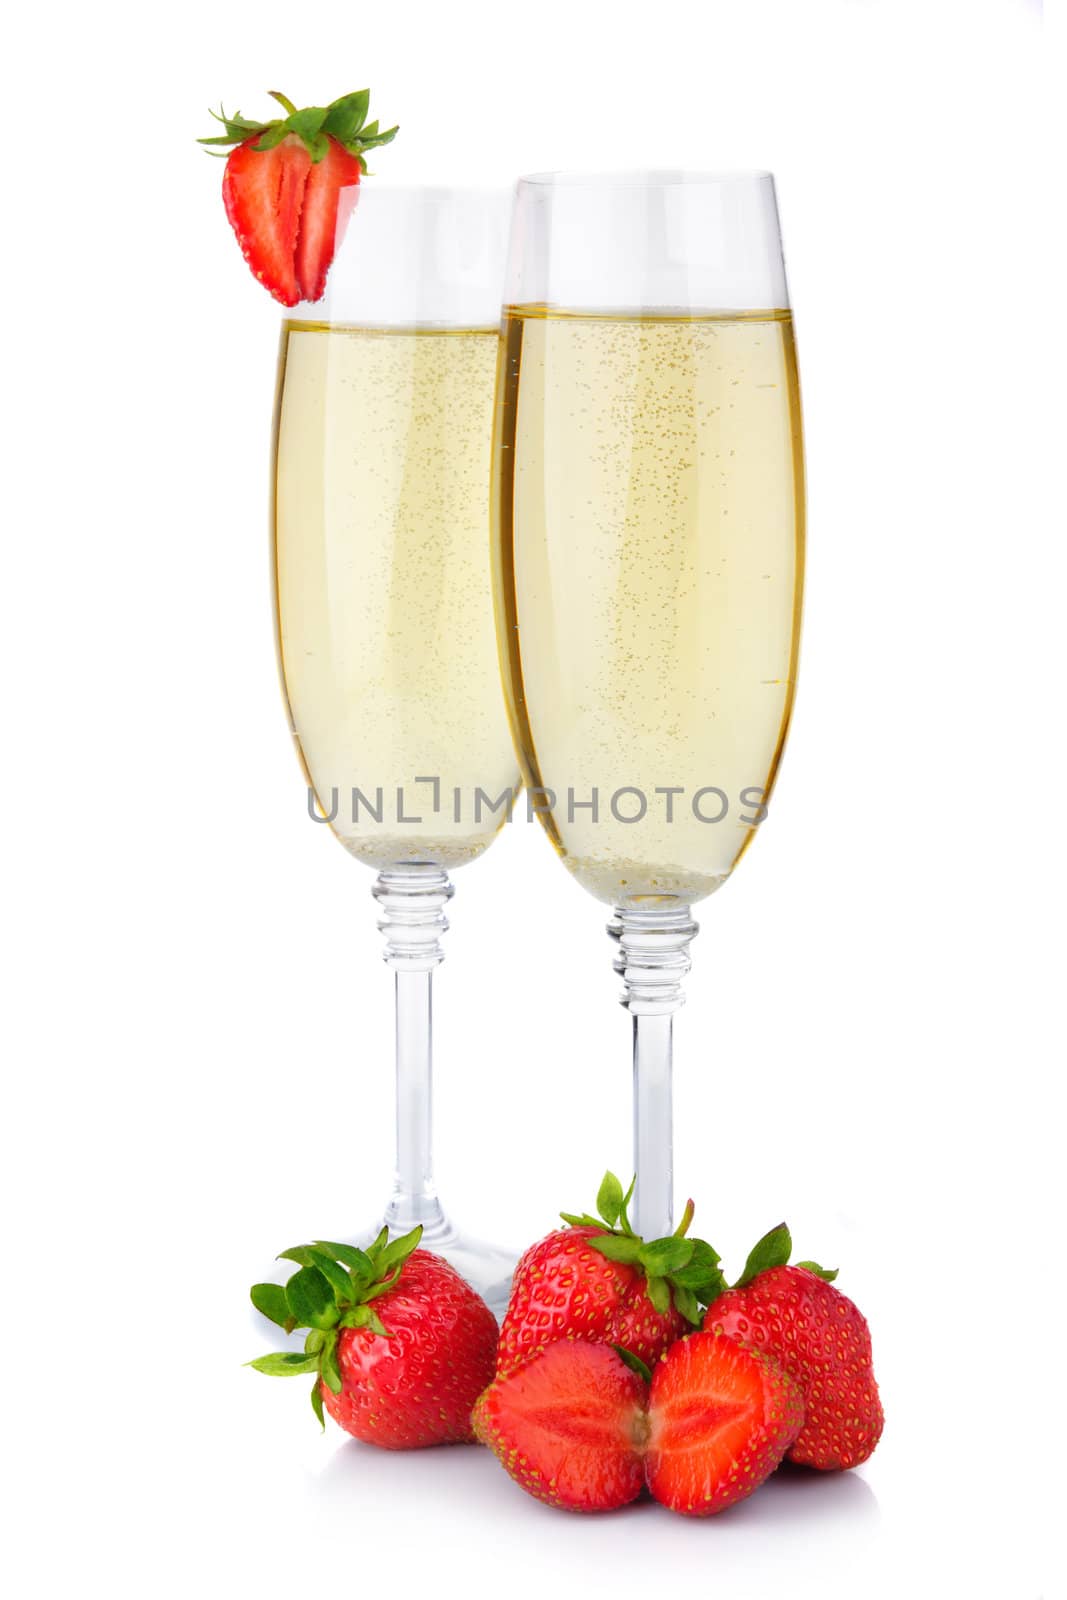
(382, 601)
(648, 559)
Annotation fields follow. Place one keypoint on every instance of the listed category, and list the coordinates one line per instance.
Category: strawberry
(820, 1338)
(290, 185)
(328, 201)
(264, 197)
(569, 1426)
(400, 1345)
(597, 1279)
(580, 1427)
(721, 1417)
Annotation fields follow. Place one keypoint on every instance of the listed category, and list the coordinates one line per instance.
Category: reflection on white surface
(467, 1487)
(811, 1535)
(469, 1477)
(795, 1493)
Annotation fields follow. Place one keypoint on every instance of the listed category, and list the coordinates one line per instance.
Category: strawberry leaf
(820, 1272)
(618, 1247)
(316, 1401)
(687, 1268)
(634, 1363)
(379, 1289)
(710, 1290)
(272, 136)
(311, 1300)
(346, 116)
(773, 1250)
(352, 1257)
(330, 1290)
(661, 1257)
(238, 128)
(701, 1267)
(306, 124)
(331, 1372)
(336, 1276)
(365, 1317)
(686, 1302)
(624, 1219)
(284, 1363)
(344, 119)
(302, 1254)
(609, 1199)
(270, 1301)
(379, 139)
(398, 1250)
(659, 1293)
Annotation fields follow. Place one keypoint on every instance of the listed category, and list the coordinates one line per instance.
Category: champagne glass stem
(653, 1126)
(652, 960)
(413, 1175)
(411, 900)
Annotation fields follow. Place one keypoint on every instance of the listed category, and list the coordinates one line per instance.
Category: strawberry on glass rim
(290, 185)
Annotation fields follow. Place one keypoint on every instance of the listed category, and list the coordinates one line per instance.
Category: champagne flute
(648, 560)
(384, 621)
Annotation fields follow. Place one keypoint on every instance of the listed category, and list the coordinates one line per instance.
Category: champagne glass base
(488, 1268)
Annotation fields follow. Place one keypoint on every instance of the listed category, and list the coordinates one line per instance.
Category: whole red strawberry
(820, 1338)
(290, 185)
(597, 1279)
(401, 1346)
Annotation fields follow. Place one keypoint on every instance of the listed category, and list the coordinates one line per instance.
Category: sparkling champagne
(383, 604)
(648, 571)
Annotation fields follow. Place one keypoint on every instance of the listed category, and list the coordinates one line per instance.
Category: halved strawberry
(569, 1426)
(721, 1417)
(264, 196)
(580, 1427)
(290, 185)
(329, 197)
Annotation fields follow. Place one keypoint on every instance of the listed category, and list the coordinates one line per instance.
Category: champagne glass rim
(652, 178)
(431, 191)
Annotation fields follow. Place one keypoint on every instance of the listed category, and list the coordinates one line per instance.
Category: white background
(197, 1067)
